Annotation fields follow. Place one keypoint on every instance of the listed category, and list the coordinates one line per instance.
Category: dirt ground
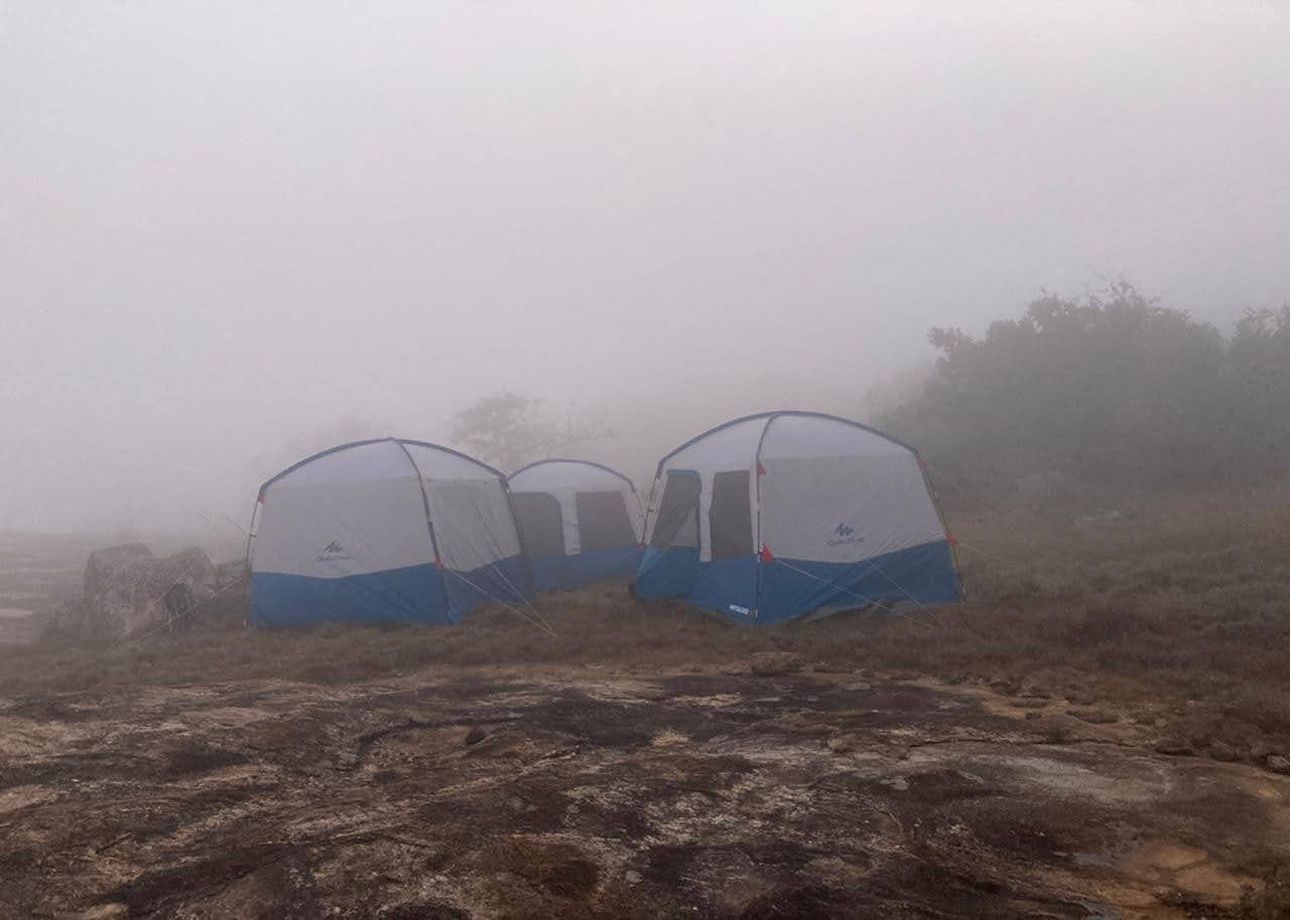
(613, 792)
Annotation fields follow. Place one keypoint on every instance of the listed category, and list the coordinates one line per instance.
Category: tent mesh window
(678, 512)
(730, 517)
(541, 522)
(603, 522)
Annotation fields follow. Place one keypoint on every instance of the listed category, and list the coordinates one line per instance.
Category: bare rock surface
(608, 795)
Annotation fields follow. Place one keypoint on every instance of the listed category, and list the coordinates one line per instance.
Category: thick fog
(231, 232)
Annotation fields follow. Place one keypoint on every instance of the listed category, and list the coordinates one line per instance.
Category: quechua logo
(844, 535)
(332, 552)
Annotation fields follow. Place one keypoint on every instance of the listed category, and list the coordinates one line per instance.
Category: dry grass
(1176, 609)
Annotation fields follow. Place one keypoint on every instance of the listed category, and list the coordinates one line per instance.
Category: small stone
(475, 735)
(632, 876)
(859, 686)
(840, 745)
(1174, 747)
(1278, 763)
(771, 664)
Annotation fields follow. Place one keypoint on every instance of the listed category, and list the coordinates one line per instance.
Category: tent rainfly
(786, 514)
(384, 530)
(581, 522)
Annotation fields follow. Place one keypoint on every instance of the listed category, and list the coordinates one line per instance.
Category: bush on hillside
(1114, 390)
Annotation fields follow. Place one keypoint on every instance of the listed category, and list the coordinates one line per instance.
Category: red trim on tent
(761, 470)
(949, 538)
(765, 554)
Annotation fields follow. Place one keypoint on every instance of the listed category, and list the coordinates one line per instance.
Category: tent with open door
(785, 514)
(581, 522)
(385, 530)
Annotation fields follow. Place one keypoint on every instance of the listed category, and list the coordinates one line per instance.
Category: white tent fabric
(844, 507)
(387, 529)
(600, 521)
(564, 480)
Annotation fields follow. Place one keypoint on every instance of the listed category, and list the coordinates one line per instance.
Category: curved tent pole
(601, 466)
(368, 441)
(519, 535)
(318, 456)
(940, 513)
(250, 539)
(434, 541)
(799, 413)
(649, 506)
(756, 471)
(456, 453)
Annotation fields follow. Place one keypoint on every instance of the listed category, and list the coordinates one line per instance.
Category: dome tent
(784, 514)
(581, 522)
(384, 530)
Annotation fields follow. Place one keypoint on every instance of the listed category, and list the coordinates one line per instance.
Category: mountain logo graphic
(332, 551)
(844, 535)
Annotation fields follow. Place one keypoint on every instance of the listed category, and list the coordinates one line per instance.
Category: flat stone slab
(554, 793)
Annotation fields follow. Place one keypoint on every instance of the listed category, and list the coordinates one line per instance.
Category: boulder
(771, 664)
(127, 588)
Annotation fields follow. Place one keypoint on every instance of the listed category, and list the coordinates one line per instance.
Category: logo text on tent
(332, 552)
(844, 535)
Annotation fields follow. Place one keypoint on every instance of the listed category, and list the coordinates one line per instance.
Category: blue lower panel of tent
(563, 573)
(790, 588)
(921, 574)
(415, 594)
(667, 573)
(728, 586)
(507, 581)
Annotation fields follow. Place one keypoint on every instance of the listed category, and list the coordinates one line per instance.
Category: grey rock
(475, 735)
(771, 664)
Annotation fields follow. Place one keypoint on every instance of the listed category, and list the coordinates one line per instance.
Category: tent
(785, 514)
(384, 530)
(581, 522)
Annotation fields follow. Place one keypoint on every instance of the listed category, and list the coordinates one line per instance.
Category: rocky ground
(608, 792)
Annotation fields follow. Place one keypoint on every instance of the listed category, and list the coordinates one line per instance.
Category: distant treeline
(1109, 391)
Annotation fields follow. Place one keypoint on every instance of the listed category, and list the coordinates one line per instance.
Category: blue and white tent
(786, 514)
(386, 530)
(581, 522)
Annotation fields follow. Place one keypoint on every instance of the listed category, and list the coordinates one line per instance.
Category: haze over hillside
(230, 229)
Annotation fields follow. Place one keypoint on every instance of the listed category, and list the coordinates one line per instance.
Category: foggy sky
(228, 228)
